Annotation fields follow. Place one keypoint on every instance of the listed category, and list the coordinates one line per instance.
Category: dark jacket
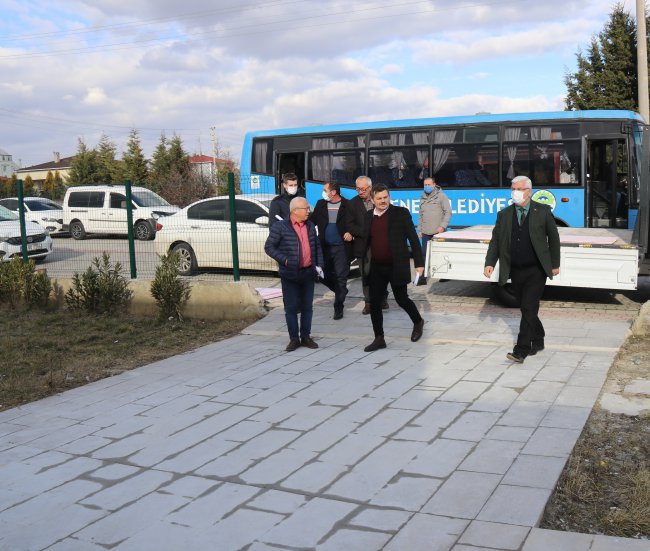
(400, 230)
(280, 207)
(283, 246)
(543, 235)
(320, 217)
(356, 224)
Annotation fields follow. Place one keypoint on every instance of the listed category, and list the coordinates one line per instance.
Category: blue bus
(585, 164)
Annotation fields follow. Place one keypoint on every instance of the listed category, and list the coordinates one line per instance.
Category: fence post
(129, 222)
(233, 226)
(21, 216)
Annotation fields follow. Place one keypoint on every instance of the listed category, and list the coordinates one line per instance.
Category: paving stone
(73, 543)
(494, 535)
(230, 535)
(512, 434)
(577, 396)
(352, 448)
(515, 505)
(464, 391)
(380, 519)
(551, 441)
(541, 391)
(84, 446)
(279, 502)
(440, 458)
(542, 540)
(610, 543)
(471, 426)
(427, 533)
(462, 495)
(189, 486)
(566, 417)
(114, 471)
(524, 414)
(438, 415)
(492, 456)
(387, 422)
(309, 418)
(354, 540)
(314, 477)
(362, 410)
(163, 535)
(407, 492)
(275, 394)
(276, 467)
(197, 456)
(556, 373)
(309, 524)
(208, 509)
(416, 399)
(535, 471)
(324, 436)
(588, 377)
(496, 399)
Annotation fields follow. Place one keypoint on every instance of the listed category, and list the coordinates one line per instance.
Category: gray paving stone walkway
(438, 445)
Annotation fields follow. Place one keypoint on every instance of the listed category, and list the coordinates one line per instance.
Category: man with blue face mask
(434, 217)
(526, 243)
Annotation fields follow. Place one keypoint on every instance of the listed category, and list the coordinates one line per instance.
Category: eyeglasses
(362, 188)
(302, 208)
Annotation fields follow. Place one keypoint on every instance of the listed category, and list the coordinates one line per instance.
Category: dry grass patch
(47, 353)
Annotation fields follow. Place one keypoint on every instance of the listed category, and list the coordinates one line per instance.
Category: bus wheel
(504, 295)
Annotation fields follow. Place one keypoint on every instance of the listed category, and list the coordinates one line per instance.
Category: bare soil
(605, 486)
(45, 353)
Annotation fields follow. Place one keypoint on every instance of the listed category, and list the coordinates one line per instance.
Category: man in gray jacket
(435, 214)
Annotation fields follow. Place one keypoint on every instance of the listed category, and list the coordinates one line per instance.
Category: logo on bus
(545, 197)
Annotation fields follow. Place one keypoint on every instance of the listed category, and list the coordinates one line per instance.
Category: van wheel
(77, 230)
(187, 260)
(504, 295)
(143, 231)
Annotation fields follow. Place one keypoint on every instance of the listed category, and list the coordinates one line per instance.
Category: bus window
(546, 164)
(398, 167)
(342, 167)
(262, 156)
(466, 165)
(342, 141)
(388, 139)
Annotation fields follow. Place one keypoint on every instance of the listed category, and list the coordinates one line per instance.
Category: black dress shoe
(366, 309)
(535, 349)
(309, 342)
(378, 343)
(384, 305)
(293, 345)
(338, 314)
(514, 357)
(417, 330)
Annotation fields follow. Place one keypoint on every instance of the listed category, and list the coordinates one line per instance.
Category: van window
(117, 199)
(86, 199)
(148, 199)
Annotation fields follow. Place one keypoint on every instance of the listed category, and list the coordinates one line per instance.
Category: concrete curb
(210, 300)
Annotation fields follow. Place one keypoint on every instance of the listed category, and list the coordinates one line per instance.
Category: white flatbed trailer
(600, 258)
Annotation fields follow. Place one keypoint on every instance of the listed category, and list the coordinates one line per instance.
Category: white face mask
(326, 196)
(292, 190)
(517, 196)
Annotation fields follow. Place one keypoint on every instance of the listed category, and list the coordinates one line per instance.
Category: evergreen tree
(48, 185)
(59, 186)
(107, 165)
(84, 166)
(159, 164)
(28, 186)
(179, 160)
(607, 75)
(134, 163)
(8, 188)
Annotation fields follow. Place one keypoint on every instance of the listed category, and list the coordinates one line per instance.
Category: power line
(228, 32)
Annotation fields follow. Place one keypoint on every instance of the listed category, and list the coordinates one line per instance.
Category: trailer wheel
(504, 295)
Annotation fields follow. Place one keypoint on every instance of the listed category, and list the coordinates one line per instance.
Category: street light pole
(642, 60)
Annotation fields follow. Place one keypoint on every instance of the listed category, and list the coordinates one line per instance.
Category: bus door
(606, 185)
(290, 161)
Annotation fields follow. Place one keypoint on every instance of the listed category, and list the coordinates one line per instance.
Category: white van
(102, 209)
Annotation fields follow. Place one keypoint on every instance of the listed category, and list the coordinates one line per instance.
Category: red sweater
(379, 247)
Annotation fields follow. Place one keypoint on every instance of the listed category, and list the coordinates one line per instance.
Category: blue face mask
(428, 189)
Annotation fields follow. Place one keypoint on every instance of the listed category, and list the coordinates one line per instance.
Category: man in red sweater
(390, 228)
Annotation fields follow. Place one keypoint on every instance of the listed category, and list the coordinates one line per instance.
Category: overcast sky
(77, 68)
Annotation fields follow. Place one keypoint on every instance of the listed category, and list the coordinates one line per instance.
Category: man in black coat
(329, 215)
(356, 224)
(389, 229)
(279, 207)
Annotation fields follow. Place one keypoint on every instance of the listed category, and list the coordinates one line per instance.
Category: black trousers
(337, 269)
(379, 277)
(528, 286)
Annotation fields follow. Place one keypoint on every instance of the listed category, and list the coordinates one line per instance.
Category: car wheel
(187, 260)
(77, 230)
(505, 296)
(143, 231)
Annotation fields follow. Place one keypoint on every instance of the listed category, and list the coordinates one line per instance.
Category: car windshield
(148, 199)
(42, 204)
(6, 214)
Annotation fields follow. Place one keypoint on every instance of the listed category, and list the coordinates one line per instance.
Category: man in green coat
(526, 243)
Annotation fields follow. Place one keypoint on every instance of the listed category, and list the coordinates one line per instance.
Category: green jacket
(543, 235)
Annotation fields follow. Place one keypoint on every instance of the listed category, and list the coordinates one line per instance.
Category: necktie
(522, 214)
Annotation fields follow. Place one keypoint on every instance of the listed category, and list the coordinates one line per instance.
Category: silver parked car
(39, 242)
(40, 210)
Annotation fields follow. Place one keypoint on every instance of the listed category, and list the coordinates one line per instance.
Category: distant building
(39, 172)
(7, 166)
(206, 165)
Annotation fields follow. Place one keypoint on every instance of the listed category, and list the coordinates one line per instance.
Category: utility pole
(642, 60)
(213, 137)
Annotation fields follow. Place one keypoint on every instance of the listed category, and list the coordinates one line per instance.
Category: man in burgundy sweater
(390, 228)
